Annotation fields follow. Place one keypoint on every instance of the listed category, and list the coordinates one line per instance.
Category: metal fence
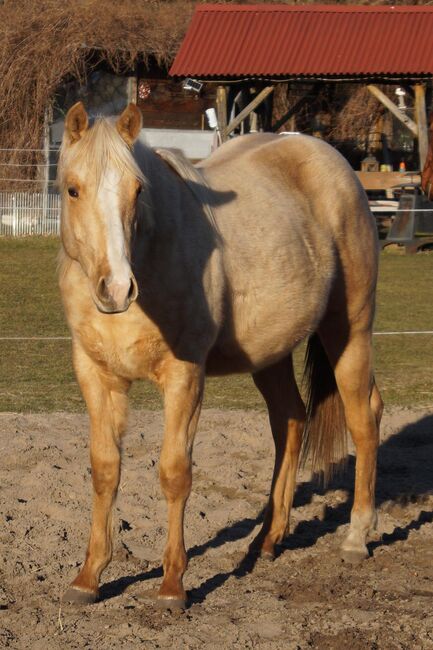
(29, 213)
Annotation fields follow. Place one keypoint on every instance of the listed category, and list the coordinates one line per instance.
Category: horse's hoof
(79, 596)
(266, 556)
(353, 556)
(166, 602)
(256, 551)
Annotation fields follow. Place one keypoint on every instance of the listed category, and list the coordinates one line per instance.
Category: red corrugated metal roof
(321, 40)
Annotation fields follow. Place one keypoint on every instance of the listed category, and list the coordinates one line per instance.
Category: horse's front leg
(183, 390)
(106, 399)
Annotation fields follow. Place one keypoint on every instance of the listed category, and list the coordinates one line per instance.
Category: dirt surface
(306, 598)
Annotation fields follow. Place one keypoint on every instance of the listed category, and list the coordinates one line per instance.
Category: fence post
(14, 216)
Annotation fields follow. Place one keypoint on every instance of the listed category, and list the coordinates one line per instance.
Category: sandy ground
(306, 598)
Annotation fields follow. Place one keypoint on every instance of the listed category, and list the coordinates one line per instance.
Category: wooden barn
(358, 76)
(172, 115)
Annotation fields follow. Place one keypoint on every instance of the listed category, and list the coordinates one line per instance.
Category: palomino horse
(171, 272)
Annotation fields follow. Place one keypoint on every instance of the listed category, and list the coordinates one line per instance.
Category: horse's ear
(76, 122)
(129, 124)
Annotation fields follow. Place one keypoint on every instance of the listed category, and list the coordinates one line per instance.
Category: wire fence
(32, 170)
(29, 213)
(29, 204)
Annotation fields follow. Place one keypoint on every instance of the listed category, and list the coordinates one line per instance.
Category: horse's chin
(103, 309)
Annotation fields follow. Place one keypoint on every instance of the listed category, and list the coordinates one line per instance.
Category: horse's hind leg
(106, 401)
(363, 411)
(287, 416)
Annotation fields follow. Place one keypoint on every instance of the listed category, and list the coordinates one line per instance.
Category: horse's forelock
(101, 146)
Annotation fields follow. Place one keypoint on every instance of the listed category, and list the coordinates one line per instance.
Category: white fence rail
(29, 213)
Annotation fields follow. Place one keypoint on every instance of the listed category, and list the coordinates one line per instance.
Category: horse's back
(307, 167)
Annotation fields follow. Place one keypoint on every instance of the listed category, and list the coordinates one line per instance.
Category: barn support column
(421, 120)
(132, 87)
(221, 106)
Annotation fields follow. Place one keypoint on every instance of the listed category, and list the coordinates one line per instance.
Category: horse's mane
(99, 146)
(192, 178)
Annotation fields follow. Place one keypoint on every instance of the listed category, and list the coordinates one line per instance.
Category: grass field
(37, 376)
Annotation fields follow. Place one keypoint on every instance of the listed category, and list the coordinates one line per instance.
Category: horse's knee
(176, 478)
(105, 474)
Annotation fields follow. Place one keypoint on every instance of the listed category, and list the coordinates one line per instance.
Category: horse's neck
(182, 229)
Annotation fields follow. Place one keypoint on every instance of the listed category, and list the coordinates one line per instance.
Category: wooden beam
(294, 109)
(247, 110)
(421, 120)
(408, 123)
(221, 106)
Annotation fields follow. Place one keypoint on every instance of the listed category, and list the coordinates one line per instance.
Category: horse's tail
(325, 440)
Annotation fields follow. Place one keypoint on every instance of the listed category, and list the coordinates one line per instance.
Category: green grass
(37, 376)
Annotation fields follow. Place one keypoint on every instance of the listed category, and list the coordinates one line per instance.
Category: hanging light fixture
(400, 92)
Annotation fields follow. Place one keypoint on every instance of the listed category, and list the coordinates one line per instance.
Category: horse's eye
(139, 188)
(73, 192)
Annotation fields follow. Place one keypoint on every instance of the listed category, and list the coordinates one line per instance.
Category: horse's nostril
(133, 290)
(102, 289)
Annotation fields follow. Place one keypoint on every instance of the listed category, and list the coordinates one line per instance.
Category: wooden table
(387, 181)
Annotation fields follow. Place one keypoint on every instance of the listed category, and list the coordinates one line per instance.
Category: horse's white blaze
(109, 205)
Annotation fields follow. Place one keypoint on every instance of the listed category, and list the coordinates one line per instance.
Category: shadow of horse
(405, 476)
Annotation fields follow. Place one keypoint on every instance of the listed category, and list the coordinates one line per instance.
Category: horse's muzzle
(113, 297)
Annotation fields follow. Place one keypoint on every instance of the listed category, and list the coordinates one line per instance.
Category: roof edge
(269, 8)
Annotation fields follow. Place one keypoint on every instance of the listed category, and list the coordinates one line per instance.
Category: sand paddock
(306, 598)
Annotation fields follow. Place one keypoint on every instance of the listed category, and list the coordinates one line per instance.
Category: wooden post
(221, 105)
(421, 120)
(375, 135)
(43, 171)
(295, 108)
(385, 100)
(132, 86)
(247, 110)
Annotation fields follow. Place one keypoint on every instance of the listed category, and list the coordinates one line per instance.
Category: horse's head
(100, 182)
(427, 172)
